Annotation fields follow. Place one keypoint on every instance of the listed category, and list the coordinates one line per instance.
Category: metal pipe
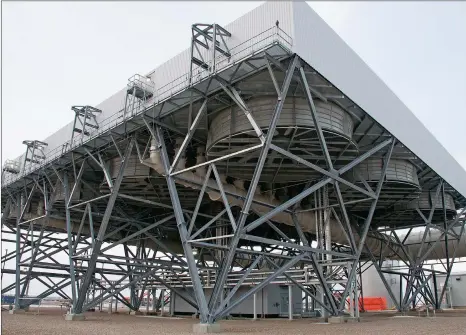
(290, 302)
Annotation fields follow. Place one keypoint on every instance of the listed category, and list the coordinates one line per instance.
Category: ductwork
(306, 220)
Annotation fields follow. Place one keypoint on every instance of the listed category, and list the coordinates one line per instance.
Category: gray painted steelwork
(256, 157)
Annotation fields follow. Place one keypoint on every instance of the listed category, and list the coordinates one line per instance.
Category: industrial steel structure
(267, 153)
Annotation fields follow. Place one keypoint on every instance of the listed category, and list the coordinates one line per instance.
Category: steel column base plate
(75, 317)
(206, 328)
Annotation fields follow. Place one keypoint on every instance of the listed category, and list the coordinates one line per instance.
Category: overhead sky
(58, 54)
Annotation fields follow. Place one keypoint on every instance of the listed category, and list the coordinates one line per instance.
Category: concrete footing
(195, 316)
(75, 317)
(352, 320)
(206, 328)
(336, 319)
(136, 313)
(17, 311)
(342, 319)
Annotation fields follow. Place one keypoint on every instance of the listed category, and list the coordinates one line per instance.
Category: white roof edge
(323, 49)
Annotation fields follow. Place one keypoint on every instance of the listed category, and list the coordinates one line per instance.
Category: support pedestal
(17, 311)
(352, 320)
(206, 328)
(342, 319)
(75, 317)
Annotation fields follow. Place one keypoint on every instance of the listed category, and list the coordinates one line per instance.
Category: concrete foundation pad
(206, 328)
(195, 316)
(136, 313)
(337, 319)
(160, 317)
(17, 311)
(75, 317)
(352, 320)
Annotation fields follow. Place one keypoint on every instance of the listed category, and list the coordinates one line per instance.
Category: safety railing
(141, 82)
(254, 45)
(12, 166)
(241, 51)
(209, 277)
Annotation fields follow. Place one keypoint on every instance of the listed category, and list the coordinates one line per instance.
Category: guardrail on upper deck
(260, 42)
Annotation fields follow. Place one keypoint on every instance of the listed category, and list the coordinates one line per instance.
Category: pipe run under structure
(257, 171)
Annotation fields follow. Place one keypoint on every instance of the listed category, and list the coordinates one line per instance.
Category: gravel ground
(51, 322)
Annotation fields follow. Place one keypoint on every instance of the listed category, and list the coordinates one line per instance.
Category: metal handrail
(241, 51)
(141, 81)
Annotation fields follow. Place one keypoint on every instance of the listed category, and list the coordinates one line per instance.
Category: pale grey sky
(58, 54)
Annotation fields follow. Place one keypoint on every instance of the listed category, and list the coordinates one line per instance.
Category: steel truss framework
(101, 216)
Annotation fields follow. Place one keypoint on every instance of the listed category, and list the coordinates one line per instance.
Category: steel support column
(18, 254)
(365, 228)
(182, 229)
(103, 228)
(70, 244)
(252, 187)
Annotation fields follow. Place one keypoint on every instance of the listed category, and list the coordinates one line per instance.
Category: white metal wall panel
(372, 285)
(260, 19)
(323, 49)
(458, 288)
(174, 68)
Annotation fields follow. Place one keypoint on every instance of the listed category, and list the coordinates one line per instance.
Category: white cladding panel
(457, 282)
(262, 18)
(324, 50)
(372, 285)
